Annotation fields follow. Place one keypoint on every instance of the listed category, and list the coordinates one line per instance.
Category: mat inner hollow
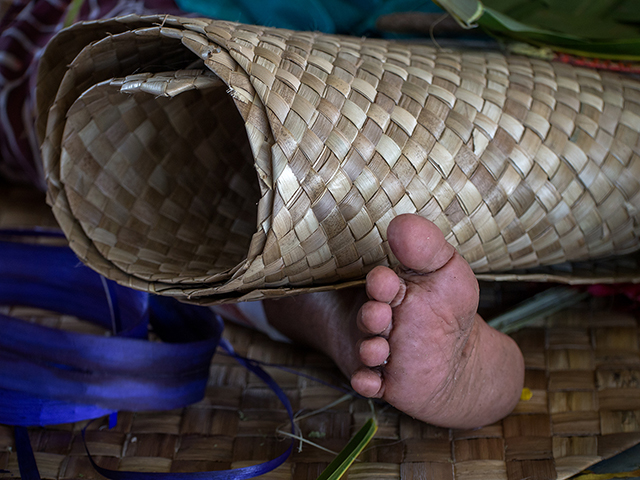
(162, 186)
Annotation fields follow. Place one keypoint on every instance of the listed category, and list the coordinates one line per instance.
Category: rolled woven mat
(582, 367)
(221, 161)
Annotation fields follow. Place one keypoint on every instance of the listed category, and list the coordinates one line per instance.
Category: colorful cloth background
(26, 27)
(352, 17)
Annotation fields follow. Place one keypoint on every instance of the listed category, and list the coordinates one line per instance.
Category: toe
(418, 243)
(374, 318)
(420, 246)
(383, 284)
(367, 383)
(374, 351)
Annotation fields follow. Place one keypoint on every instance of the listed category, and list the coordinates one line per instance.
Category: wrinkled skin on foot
(413, 336)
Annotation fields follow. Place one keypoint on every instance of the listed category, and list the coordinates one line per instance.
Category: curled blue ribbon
(49, 376)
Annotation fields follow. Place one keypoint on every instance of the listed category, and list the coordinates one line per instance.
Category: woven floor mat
(583, 369)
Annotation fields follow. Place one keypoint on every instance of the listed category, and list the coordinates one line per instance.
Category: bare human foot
(414, 337)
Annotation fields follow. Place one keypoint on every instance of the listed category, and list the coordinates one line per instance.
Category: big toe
(418, 244)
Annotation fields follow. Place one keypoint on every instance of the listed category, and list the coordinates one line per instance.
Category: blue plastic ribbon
(53, 376)
(235, 474)
(26, 460)
(53, 278)
(50, 376)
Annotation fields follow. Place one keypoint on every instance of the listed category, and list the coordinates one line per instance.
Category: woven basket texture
(220, 161)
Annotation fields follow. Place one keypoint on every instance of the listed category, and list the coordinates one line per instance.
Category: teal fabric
(354, 17)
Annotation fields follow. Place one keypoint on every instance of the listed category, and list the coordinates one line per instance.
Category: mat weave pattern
(214, 160)
(583, 368)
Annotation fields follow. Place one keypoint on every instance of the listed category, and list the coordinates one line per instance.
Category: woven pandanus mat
(582, 367)
(220, 161)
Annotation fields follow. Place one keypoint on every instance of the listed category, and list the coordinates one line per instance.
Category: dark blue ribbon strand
(26, 460)
(25, 409)
(110, 372)
(33, 232)
(48, 376)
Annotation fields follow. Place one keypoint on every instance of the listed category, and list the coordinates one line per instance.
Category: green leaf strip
(465, 12)
(350, 452)
(470, 13)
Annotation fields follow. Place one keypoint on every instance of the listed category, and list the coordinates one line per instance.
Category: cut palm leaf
(466, 12)
(73, 12)
(595, 29)
(537, 307)
(350, 452)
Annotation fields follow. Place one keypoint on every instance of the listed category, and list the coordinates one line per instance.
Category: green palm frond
(595, 28)
(350, 452)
